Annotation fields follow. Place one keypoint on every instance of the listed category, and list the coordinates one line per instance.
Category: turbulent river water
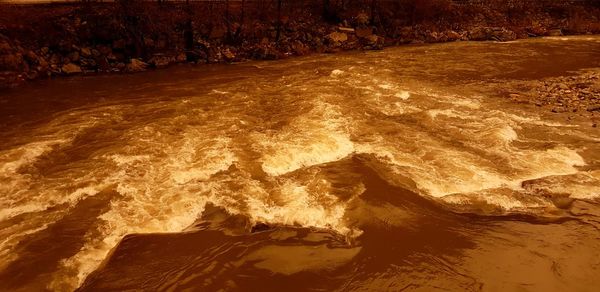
(403, 169)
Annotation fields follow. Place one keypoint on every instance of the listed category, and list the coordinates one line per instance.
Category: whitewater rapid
(255, 146)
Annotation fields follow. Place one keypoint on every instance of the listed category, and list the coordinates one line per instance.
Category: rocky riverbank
(575, 96)
(76, 39)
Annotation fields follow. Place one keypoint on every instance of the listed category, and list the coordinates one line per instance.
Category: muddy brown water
(398, 170)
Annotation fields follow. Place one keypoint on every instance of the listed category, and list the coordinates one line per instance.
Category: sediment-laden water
(403, 169)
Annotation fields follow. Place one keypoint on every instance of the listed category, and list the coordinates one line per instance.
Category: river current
(403, 169)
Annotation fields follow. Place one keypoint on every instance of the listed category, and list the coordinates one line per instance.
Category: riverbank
(51, 40)
(575, 96)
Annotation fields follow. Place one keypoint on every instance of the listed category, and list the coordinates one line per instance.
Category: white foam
(222, 92)
(434, 113)
(386, 86)
(507, 134)
(446, 171)
(122, 160)
(316, 138)
(195, 163)
(581, 185)
(505, 199)
(404, 95)
(161, 191)
(296, 206)
(470, 103)
(337, 72)
(12, 160)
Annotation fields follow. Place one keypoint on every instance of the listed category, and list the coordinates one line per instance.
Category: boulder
(503, 35)
(374, 42)
(265, 52)
(364, 32)
(149, 43)
(31, 57)
(55, 59)
(488, 33)
(73, 56)
(453, 36)
(11, 62)
(159, 60)
(554, 32)
(593, 108)
(136, 65)
(89, 64)
(361, 19)
(112, 58)
(228, 56)
(299, 48)
(120, 66)
(102, 63)
(70, 69)
(181, 57)
(42, 64)
(480, 34)
(86, 52)
(337, 37)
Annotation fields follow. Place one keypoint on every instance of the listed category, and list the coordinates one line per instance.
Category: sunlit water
(391, 170)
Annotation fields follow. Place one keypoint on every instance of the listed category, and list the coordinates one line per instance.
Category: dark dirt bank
(48, 40)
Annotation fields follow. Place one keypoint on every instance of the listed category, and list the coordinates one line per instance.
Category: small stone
(554, 32)
(364, 32)
(86, 52)
(73, 56)
(136, 65)
(559, 109)
(70, 69)
(593, 108)
(337, 37)
(228, 55)
(159, 60)
(452, 35)
(362, 19)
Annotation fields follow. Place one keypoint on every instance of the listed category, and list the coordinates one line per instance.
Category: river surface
(403, 169)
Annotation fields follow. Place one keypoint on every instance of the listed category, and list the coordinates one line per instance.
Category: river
(403, 169)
